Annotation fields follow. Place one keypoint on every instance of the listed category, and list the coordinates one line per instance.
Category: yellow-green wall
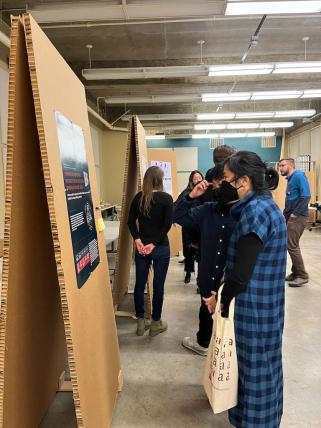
(113, 156)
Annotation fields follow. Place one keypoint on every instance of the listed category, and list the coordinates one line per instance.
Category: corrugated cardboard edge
(52, 216)
(7, 219)
(118, 288)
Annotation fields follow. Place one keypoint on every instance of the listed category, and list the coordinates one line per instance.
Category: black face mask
(226, 193)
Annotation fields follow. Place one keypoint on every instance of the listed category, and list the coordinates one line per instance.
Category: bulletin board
(167, 160)
(56, 296)
(136, 164)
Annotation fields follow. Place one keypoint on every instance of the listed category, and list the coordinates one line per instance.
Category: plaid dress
(259, 314)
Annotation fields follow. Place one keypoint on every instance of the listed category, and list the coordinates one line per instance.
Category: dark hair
(249, 164)
(208, 175)
(217, 173)
(289, 160)
(190, 178)
(221, 153)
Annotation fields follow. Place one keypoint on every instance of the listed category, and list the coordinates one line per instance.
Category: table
(111, 233)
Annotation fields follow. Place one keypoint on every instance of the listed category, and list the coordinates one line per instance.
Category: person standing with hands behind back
(152, 210)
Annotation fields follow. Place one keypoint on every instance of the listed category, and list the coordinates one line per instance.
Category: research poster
(78, 196)
(167, 168)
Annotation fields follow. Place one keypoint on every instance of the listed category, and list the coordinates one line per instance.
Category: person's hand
(199, 189)
(139, 246)
(210, 302)
(194, 245)
(148, 249)
(292, 215)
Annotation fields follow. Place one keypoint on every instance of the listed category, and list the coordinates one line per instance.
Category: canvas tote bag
(221, 372)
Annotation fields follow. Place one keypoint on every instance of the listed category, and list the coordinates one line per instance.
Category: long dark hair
(249, 164)
(153, 180)
(190, 185)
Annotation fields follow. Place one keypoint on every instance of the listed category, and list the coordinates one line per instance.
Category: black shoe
(187, 279)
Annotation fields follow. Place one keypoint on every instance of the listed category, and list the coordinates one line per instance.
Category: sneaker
(290, 277)
(192, 345)
(157, 327)
(143, 324)
(298, 282)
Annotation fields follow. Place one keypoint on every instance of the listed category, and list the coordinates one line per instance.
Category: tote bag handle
(218, 305)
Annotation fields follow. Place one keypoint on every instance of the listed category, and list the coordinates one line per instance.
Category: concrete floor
(162, 380)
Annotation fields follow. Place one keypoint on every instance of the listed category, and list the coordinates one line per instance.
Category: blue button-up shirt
(297, 195)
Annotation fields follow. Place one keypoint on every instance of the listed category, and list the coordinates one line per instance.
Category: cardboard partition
(311, 175)
(56, 288)
(136, 164)
(166, 159)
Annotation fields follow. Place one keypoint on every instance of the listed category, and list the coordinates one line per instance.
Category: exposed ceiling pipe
(104, 122)
(4, 39)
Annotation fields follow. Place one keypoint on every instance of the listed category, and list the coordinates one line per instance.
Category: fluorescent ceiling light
(297, 67)
(213, 116)
(275, 95)
(242, 125)
(240, 69)
(235, 96)
(247, 125)
(295, 113)
(225, 116)
(203, 127)
(200, 70)
(145, 72)
(312, 93)
(255, 115)
(260, 95)
(272, 7)
(234, 135)
(155, 137)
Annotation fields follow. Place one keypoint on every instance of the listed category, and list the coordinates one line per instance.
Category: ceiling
(147, 33)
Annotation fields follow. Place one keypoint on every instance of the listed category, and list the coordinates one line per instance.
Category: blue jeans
(159, 258)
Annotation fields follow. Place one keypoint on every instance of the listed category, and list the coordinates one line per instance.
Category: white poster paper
(167, 168)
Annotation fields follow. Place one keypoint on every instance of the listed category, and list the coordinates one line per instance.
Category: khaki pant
(295, 229)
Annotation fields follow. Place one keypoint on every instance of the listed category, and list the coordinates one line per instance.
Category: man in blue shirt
(296, 214)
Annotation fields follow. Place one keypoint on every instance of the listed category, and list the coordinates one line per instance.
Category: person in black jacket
(190, 235)
(152, 209)
(216, 226)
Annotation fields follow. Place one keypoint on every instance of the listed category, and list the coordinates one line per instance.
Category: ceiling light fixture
(249, 125)
(236, 7)
(155, 137)
(201, 70)
(256, 115)
(224, 116)
(234, 135)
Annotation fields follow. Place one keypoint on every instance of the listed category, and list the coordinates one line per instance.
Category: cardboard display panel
(86, 306)
(311, 175)
(168, 158)
(32, 339)
(136, 164)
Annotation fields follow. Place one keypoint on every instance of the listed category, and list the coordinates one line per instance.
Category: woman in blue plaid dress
(255, 276)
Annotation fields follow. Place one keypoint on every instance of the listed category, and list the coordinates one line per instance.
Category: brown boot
(142, 325)
(157, 327)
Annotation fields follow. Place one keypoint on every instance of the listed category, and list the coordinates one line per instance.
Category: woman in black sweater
(191, 234)
(151, 210)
